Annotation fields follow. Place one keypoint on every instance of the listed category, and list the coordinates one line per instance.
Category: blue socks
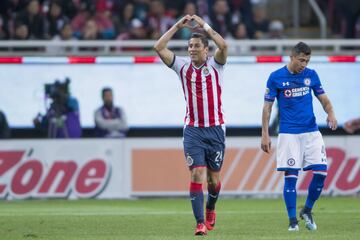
(213, 194)
(197, 201)
(315, 188)
(289, 192)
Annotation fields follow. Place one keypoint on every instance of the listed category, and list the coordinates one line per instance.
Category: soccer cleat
(309, 221)
(200, 229)
(210, 219)
(293, 227)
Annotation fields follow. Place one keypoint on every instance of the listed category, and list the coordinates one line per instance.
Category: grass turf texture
(337, 218)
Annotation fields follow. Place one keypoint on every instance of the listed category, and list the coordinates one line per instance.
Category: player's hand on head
(184, 22)
(198, 20)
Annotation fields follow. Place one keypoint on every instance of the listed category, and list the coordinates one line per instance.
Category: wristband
(206, 27)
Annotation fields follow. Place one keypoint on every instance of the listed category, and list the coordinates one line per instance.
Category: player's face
(197, 51)
(299, 62)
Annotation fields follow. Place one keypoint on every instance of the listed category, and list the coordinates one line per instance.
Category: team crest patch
(287, 93)
(205, 71)
(291, 162)
(189, 160)
(307, 81)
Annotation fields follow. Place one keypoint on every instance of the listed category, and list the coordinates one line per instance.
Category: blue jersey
(293, 93)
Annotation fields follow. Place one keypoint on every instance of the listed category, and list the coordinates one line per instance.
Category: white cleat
(293, 227)
(309, 221)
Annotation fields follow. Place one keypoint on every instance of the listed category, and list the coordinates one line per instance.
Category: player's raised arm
(265, 137)
(160, 46)
(327, 106)
(221, 52)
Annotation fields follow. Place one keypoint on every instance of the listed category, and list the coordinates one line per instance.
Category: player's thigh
(315, 153)
(288, 154)
(215, 149)
(193, 149)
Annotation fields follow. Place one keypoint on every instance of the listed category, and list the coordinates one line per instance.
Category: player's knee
(291, 177)
(319, 178)
(198, 174)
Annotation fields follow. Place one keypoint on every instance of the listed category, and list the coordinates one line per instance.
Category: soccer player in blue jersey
(300, 144)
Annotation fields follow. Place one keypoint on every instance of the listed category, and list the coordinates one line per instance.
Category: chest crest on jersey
(307, 81)
(205, 71)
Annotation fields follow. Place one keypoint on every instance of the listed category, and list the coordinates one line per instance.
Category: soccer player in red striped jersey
(201, 78)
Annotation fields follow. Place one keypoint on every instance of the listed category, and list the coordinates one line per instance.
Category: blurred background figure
(33, 19)
(4, 126)
(352, 125)
(110, 120)
(62, 118)
(276, 30)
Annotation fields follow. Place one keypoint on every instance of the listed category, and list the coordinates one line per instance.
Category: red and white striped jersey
(202, 90)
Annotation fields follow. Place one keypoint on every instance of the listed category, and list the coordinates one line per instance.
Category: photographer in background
(4, 126)
(62, 118)
(110, 120)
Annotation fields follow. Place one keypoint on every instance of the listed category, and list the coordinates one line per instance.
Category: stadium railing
(144, 47)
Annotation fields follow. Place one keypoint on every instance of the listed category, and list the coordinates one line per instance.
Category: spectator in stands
(189, 9)
(352, 125)
(79, 21)
(136, 30)
(350, 12)
(104, 23)
(241, 11)
(141, 9)
(240, 32)
(127, 14)
(110, 120)
(56, 19)
(4, 126)
(33, 19)
(276, 30)
(220, 18)
(90, 31)
(260, 22)
(21, 32)
(159, 22)
(62, 119)
(4, 34)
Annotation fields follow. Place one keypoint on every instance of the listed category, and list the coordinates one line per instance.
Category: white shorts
(300, 151)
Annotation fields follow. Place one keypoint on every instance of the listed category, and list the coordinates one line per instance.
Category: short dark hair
(299, 48)
(104, 90)
(202, 37)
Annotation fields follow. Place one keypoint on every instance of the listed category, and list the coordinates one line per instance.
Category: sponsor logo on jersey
(307, 81)
(291, 162)
(297, 92)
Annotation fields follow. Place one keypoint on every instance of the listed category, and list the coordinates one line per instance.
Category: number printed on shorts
(218, 158)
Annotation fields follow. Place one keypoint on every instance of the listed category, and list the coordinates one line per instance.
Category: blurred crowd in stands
(136, 19)
(149, 19)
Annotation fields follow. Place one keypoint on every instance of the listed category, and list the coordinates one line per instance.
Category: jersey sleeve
(177, 64)
(215, 64)
(317, 86)
(271, 90)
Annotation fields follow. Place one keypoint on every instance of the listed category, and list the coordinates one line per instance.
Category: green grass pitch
(336, 217)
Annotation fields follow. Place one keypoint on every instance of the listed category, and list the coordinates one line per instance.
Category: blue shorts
(204, 147)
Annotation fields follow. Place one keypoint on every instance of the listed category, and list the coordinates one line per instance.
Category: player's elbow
(223, 46)
(158, 47)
